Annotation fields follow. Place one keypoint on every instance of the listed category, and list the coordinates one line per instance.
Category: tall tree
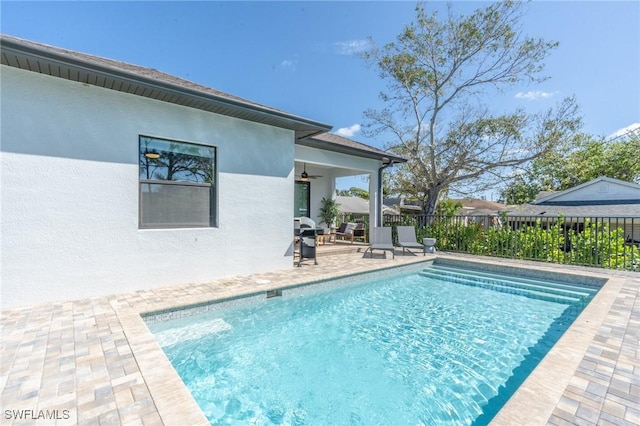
(436, 73)
(590, 158)
(522, 189)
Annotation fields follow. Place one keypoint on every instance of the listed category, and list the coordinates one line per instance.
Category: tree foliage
(436, 73)
(520, 190)
(600, 243)
(584, 158)
(354, 191)
(588, 159)
(448, 208)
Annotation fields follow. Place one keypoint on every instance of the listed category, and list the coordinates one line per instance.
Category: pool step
(550, 287)
(503, 287)
(577, 288)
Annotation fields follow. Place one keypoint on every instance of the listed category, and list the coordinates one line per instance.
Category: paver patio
(93, 361)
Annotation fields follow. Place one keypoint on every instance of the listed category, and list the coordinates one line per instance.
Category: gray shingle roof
(146, 82)
(589, 210)
(479, 204)
(606, 204)
(151, 83)
(332, 142)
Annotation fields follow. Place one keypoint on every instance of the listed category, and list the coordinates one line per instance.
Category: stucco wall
(69, 193)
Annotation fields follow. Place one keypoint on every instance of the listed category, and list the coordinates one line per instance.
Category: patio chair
(359, 232)
(346, 231)
(407, 239)
(381, 240)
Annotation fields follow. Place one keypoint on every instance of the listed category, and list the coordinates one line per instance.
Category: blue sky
(299, 56)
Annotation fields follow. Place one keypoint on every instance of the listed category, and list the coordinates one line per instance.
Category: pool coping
(543, 388)
(537, 396)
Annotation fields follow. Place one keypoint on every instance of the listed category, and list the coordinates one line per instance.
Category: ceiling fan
(304, 176)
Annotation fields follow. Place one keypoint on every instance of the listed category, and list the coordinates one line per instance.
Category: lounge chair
(381, 240)
(407, 239)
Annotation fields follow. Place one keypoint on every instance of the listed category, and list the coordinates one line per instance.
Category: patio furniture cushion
(342, 228)
(360, 232)
(346, 231)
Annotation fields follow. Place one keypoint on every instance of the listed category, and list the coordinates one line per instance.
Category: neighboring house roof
(332, 142)
(145, 82)
(479, 206)
(404, 206)
(543, 194)
(470, 206)
(400, 205)
(358, 205)
(608, 210)
(599, 197)
(599, 189)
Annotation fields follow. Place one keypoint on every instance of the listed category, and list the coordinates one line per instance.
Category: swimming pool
(431, 345)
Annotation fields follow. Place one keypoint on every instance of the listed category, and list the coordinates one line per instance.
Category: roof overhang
(364, 151)
(147, 83)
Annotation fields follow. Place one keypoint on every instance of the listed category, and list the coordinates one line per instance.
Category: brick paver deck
(93, 361)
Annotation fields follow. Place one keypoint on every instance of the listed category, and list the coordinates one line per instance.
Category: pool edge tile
(541, 392)
(173, 401)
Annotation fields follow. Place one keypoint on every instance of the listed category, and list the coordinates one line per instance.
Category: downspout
(378, 221)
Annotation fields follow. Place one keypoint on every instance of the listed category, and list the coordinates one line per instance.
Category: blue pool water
(432, 346)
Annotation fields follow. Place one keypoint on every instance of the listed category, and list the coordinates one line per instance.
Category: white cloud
(348, 132)
(350, 47)
(635, 127)
(533, 95)
(289, 64)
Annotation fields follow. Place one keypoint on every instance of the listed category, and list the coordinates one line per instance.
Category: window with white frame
(177, 184)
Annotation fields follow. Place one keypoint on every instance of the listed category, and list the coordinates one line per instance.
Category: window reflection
(176, 184)
(176, 161)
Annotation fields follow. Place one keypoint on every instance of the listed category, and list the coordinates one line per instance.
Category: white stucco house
(115, 177)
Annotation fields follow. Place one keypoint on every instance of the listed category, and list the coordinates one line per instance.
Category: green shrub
(554, 240)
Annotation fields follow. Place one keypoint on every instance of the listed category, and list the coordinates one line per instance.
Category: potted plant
(329, 211)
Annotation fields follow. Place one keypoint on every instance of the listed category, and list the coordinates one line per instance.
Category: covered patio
(325, 157)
